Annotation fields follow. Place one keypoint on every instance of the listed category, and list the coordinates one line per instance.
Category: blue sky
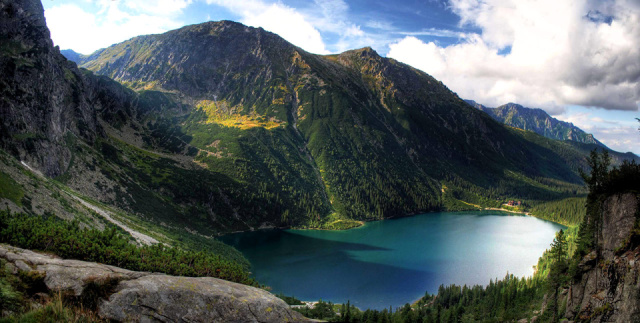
(577, 59)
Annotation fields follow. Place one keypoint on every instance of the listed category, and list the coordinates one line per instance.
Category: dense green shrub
(321, 310)
(67, 240)
(290, 300)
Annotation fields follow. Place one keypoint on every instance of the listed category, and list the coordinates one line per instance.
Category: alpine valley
(218, 127)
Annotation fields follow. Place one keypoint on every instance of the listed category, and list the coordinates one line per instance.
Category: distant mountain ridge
(72, 55)
(538, 121)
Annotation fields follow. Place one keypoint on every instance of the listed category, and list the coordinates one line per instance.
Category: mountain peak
(366, 49)
(217, 27)
(363, 52)
(365, 57)
(515, 105)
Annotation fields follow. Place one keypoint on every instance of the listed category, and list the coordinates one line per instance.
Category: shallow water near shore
(393, 262)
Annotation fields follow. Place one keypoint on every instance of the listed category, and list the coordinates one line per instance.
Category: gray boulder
(130, 296)
(185, 299)
(70, 277)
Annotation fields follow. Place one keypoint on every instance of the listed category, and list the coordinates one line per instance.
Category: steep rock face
(609, 287)
(42, 94)
(124, 295)
(621, 215)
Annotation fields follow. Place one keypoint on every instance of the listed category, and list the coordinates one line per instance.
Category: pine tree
(558, 270)
(347, 313)
(559, 247)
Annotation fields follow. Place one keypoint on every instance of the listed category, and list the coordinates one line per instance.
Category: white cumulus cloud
(72, 27)
(559, 53)
(158, 7)
(278, 18)
(289, 24)
(319, 26)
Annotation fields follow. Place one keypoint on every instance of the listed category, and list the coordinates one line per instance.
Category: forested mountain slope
(382, 137)
(224, 127)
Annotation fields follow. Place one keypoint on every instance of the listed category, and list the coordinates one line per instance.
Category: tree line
(68, 240)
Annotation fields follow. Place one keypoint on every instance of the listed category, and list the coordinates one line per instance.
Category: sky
(579, 60)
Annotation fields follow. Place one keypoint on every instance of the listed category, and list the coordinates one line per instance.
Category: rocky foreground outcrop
(130, 296)
(609, 287)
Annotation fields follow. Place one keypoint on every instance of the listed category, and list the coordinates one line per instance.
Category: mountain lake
(394, 262)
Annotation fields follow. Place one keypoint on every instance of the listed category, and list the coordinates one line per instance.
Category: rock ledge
(131, 296)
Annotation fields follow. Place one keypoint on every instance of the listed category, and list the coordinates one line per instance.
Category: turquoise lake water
(393, 262)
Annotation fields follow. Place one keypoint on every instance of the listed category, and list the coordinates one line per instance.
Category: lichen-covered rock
(62, 275)
(186, 299)
(145, 297)
(609, 287)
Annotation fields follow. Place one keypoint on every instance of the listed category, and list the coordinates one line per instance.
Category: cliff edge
(608, 288)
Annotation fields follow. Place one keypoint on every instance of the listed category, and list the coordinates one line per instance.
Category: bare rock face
(617, 224)
(186, 299)
(131, 296)
(45, 98)
(46, 102)
(609, 288)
